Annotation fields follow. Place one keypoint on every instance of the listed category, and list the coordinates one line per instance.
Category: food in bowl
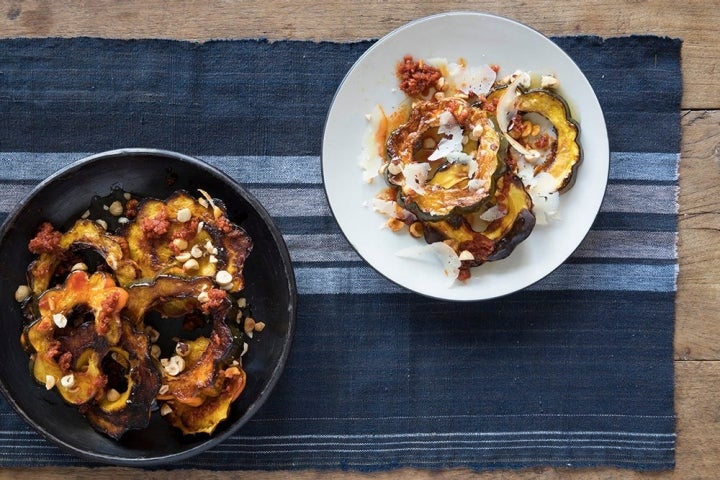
(472, 162)
(100, 293)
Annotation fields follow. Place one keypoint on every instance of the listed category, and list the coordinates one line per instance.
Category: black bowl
(270, 290)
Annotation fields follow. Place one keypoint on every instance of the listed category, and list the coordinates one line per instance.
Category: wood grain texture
(697, 338)
(694, 21)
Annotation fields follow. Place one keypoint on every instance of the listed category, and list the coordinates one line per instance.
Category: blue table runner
(577, 370)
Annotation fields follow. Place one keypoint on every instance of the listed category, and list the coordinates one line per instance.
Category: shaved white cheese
(370, 158)
(491, 214)
(435, 252)
(386, 207)
(416, 175)
(478, 80)
(545, 198)
(460, 157)
(448, 126)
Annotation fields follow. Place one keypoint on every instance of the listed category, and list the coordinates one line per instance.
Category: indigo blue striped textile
(575, 371)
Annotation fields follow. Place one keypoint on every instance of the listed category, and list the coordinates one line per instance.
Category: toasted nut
(242, 302)
(165, 409)
(116, 208)
(79, 266)
(394, 168)
(191, 264)
(465, 255)
(174, 365)
(416, 229)
(102, 223)
(123, 220)
(164, 388)
(112, 395)
(155, 351)
(249, 324)
(49, 382)
(85, 214)
(203, 297)
(196, 251)
(259, 326)
(212, 259)
(127, 196)
(183, 215)
(68, 381)
(22, 292)
(59, 320)
(394, 224)
(182, 349)
(180, 243)
(223, 277)
(183, 257)
(535, 130)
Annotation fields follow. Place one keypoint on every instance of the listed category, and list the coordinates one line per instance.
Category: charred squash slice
(206, 417)
(435, 174)
(83, 235)
(133, 383)
(77, 360)
(501, 236)
(567, 152)
(183, 237)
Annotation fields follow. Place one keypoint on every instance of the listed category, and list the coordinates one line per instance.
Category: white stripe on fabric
(306, 169)
(598, 244)
(573, 276)
(303, 202)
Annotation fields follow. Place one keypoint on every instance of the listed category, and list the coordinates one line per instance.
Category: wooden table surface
(697, 332)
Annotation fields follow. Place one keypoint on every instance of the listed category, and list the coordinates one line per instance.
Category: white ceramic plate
(480, 39)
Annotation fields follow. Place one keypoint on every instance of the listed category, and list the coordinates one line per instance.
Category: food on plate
(471, 159)
(100, 293)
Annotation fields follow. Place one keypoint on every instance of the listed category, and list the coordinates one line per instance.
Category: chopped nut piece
(394, 168)
(123, 220)
(116, 208)
(242, 302)
(212, 259)
(465, 255)
(155, 351)
(85, 214)
(174, 365)
(249, 324)
(191, 264)
(165, 409)
(22, 292)
(196, 251)
(59, 320)
(395, 225)
(416, 229)
(223, 277)
(203, 297)
(49, 382)
(182, 349)
(164, 388)
(180, 243)
(259, 326)
(79, 266)
(112, 395)
(68, 381)
(102, 223)
(183, 215)
(183, 257)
